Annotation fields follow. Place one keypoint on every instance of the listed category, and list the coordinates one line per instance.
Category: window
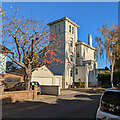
(77, 54)
(76, 71)
(16, 80)
(71, 73)
(55, 28)
(71, 56)
(9, 79)
(95, 56)
(70, 28)
(71, 42)
(58, 27)
(110, 103)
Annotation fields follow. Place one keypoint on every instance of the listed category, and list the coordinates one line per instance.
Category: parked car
(109, 108)
(21, 86)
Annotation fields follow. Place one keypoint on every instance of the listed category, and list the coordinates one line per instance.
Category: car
(109, 107)
(21, 86)
(32, 86)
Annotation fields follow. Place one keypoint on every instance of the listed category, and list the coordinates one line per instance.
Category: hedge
(104, 78)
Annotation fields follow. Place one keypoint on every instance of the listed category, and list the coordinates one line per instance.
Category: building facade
(80, 62)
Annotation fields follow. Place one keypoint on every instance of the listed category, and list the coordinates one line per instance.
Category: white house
(80, 59)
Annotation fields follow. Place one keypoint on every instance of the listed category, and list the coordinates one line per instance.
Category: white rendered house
(80, 58)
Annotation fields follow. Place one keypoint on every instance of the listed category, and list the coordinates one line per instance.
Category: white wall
(2, 63)
(81, 74)
(45, 77)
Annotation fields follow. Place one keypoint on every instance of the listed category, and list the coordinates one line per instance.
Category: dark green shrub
(104, 79)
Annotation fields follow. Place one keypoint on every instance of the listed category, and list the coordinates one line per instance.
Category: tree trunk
(112, 63)
(27, 77)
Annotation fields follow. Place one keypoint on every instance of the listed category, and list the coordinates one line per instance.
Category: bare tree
(109, 42)
(29, 40)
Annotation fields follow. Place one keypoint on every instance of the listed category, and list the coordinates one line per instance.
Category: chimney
(89, 39)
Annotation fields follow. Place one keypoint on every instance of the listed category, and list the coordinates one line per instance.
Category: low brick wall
(51, 90)
(14, 96)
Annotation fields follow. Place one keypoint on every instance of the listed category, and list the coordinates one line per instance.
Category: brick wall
(14, 96)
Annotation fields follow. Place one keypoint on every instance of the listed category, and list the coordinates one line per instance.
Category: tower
(67, 31)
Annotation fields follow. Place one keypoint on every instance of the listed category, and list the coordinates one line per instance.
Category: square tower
(67, 31)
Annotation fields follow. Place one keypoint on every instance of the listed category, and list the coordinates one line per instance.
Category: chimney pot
(89, 39)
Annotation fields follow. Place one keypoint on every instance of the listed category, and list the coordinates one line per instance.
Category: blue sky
(88, 15)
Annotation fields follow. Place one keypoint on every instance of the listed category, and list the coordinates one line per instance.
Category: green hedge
(104, 78)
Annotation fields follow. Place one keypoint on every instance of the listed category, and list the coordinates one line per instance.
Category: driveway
(72, 103)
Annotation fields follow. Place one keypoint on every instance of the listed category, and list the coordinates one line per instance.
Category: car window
(35, 83)
(111, 102)
(111, 97)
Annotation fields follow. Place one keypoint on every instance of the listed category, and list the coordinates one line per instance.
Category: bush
(104, 79)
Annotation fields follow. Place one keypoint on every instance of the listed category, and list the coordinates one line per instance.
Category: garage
(43, 81)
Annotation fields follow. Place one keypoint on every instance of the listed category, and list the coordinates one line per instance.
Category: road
(75, 105)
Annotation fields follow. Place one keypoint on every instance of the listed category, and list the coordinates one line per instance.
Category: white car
(109, 107)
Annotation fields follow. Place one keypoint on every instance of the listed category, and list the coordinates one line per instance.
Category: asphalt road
(75, 106)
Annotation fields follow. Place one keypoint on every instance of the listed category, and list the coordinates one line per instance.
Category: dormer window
(70, 28)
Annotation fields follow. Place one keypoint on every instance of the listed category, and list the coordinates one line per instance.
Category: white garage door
(43, 81)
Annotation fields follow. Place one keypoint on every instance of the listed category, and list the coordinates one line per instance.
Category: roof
(62, 19)
(20, 71)
(82, 43)
(103, 69)
(14, 73)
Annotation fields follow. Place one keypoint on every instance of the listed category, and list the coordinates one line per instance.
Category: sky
(88, 15)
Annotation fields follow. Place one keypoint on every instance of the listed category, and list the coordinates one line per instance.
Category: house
(11, 79)
(80, 58)
(104, 70)
(86, 65)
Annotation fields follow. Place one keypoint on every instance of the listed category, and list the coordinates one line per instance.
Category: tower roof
(62, 19)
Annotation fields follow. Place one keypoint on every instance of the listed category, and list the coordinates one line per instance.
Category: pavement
(44, 100)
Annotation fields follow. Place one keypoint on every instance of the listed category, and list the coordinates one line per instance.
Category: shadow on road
(63, 108)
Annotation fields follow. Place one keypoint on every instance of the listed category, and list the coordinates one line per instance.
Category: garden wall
(15, 96)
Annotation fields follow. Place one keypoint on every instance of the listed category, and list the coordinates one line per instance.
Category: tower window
(55, 28)
(71, 73)
(70, 28)
(71, 56)
(58, 27)
(76, 71)
(71, 42)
